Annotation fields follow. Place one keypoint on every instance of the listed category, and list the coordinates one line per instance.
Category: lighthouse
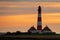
(39, 29)
(39, 21)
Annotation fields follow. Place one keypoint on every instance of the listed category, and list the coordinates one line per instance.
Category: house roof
(32, 28)
(46, 29)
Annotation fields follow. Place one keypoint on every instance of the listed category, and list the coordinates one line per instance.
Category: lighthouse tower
(39, 29)
(39, 23)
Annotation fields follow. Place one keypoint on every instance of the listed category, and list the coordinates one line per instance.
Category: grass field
(30, 37)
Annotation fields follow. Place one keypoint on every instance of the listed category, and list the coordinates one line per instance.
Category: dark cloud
(16, 11)
(18, 0)
(51, 10)
(13, 11)
(34, 0)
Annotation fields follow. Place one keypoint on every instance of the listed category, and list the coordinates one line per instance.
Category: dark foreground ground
(30, 37)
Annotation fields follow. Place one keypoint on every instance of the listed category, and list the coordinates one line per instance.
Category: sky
(22, 14)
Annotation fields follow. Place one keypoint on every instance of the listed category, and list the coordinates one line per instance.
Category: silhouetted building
(32, 30)
(39, 25)
(46, 29)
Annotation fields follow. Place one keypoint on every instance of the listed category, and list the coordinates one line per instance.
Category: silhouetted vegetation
(8, 33)
(28, 33)
(14, 33)
(29, 36)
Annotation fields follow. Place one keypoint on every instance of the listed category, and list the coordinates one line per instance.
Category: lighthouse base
(39, 31)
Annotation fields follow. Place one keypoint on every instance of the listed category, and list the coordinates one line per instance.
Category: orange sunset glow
(22, 15)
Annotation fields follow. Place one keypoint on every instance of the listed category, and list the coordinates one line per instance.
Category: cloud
(16, 11)
(51, 10)
(34, 0)
(12, 8)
